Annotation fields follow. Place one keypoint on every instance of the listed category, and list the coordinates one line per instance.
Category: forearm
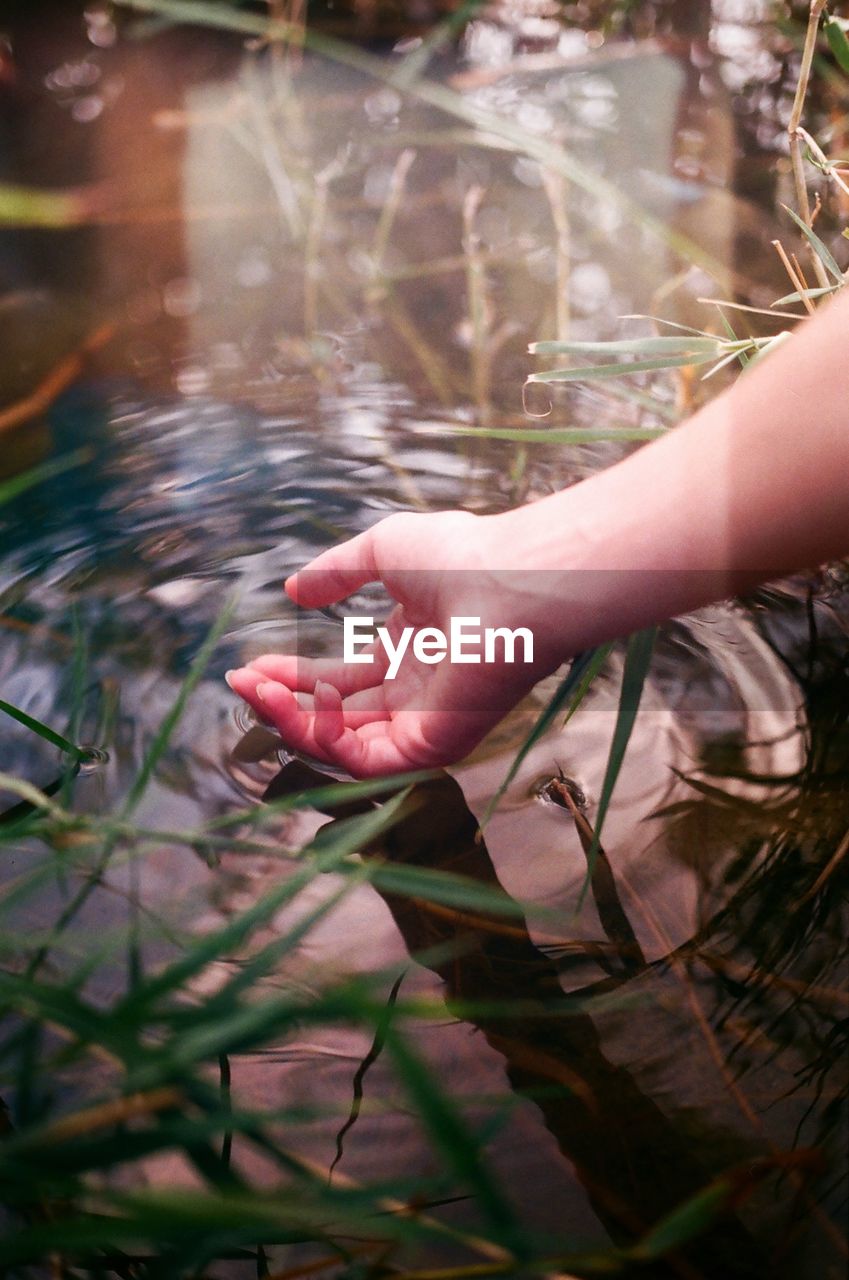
(754, 485)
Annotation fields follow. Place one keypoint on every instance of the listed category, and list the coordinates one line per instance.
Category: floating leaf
(257, 744)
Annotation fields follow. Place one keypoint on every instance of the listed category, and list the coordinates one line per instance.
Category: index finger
(336, 573)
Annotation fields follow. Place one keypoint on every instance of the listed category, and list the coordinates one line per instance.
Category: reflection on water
(311, 278)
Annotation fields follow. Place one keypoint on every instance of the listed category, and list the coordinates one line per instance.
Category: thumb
(336, 573)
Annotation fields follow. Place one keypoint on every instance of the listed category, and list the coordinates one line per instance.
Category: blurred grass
(49, 210)
(491, 128)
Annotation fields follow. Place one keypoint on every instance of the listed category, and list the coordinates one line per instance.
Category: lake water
(312, 280)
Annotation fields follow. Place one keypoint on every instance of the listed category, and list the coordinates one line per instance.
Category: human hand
(434, 567)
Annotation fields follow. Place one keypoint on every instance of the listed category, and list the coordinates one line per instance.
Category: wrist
(559, 532)
(533, 575)
(585, 565)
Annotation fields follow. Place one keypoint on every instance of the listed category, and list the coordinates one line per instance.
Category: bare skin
(754, 485)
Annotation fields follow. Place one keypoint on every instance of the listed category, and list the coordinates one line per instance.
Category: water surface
(311, 276)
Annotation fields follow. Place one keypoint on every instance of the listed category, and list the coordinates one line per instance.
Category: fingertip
(334, 574)
(329, 722)
(326, 694)
(239, 680)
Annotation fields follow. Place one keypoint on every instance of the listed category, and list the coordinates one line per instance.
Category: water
(304, 297)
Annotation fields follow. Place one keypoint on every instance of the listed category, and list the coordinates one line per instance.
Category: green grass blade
(169, 724)
(667, 346)
(729, 329)
(17, 819)
(568, 694)
(820, 249)
(777, 341)
(637, 662)
(453, 1138)
(564, 435)
(11, 489)
(346, 837)
(239, 1028)
(63, 1007)
(259, 966)
(326, 798)
(642, 399)
(739, 356)
(44, 731)
(416, 61)
(599, 657)
(585, 373)
(447, 889)
(685, 1223)
(30, 795)
(807, 293)
(670, 324)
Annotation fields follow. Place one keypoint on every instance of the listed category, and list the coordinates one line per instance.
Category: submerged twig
(828, 870)
(369, 1060)
(60, 377)
(795, 279)
(478, 303)
(556, 188)
(611, 913)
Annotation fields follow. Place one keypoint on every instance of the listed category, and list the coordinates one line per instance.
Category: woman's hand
(752, 486)
(435, 567)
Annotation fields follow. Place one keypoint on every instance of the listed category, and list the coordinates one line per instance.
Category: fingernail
(228, 675)
(263, 689)
(327, 694)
